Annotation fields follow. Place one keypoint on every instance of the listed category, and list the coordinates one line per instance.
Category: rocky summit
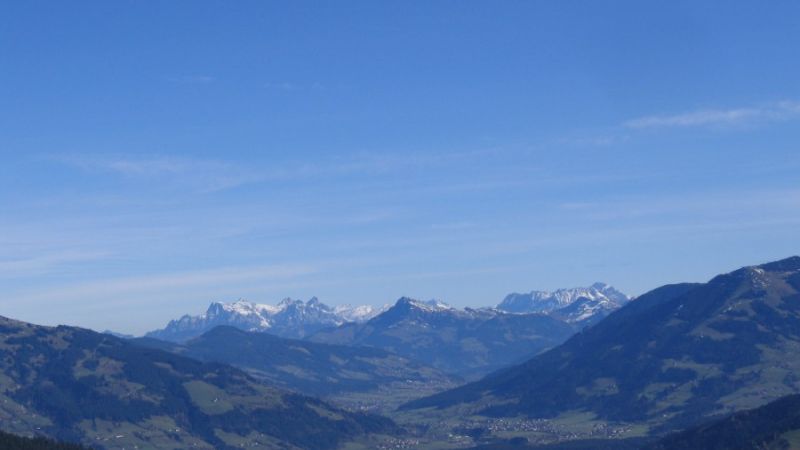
(289, 318)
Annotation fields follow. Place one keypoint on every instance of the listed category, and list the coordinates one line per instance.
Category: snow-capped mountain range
(575, 305)
(297, 319)
(289, 318)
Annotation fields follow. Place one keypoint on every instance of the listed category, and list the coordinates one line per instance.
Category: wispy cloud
(680, 233)
(155, 286)
(755, 203)
(204, 175)
(215, 175)
(655, 220)
(114, 302)
(720, 117)
(195, 278)
(288, 86)
(42, 264)
(210, 175)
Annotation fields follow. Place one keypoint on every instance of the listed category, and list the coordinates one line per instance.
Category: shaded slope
(80, 386)
(13, 442)
(673, 357)
(313, 368)
(772, 426)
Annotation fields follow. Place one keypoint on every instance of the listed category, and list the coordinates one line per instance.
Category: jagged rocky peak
(360, 313)
(240, 306)
(437, 304)
(575, 305)
(424, 305)
(289, 318)
(610, 292)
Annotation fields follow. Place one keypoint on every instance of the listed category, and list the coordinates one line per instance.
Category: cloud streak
(155, 285)
(42, 264)
(216, 175)
(755, 203)
(204, 175)
(774, 112)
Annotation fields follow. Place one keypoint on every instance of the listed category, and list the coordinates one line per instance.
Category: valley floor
(428, 430)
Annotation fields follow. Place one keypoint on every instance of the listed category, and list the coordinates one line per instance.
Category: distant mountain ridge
(297, 319)
(289, 318)
(467, 342)
(583, 305)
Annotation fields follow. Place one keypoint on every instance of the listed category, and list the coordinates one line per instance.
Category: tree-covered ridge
(317, 369)
(13, 442)
(80, 386)
(773, 426)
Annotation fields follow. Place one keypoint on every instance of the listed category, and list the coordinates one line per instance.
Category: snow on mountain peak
(572, 305)
(437, 304)
(425, 305)
(289, 318)
(298, 319)
(360, 313)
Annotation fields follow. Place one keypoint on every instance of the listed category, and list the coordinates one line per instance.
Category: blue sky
(159, 156)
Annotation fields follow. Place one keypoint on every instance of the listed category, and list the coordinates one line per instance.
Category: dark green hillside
(773, 426)
(12, 442)
(321, 370)
(672, 358)
(80, 386)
